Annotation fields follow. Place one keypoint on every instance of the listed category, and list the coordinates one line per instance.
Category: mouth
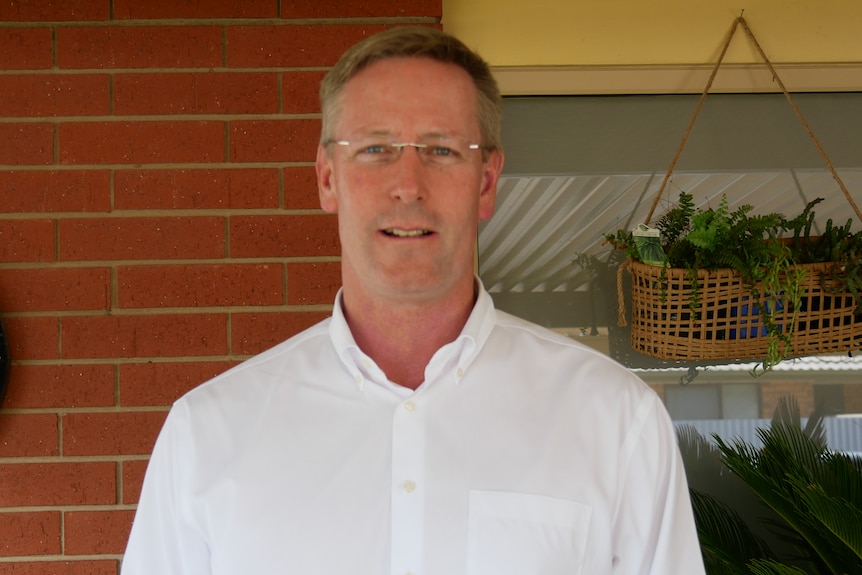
(400, 233)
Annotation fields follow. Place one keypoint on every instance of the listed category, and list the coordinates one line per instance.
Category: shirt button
(460, 373)
(408, 487)
(410, 406)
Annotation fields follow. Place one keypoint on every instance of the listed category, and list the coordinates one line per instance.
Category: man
(418, 430)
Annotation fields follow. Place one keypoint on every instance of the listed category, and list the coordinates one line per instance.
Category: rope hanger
(740, 21)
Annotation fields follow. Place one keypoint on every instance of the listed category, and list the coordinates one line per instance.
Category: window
(580, 167)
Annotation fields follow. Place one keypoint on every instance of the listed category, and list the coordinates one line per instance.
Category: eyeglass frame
(399, 146)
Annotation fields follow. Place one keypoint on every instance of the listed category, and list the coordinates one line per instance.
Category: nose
(408, 176)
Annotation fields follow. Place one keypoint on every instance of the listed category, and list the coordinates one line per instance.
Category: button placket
(408, 501)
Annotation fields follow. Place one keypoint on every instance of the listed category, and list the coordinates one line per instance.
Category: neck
(401, 337)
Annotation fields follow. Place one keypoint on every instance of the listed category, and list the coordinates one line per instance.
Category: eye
(442, 151)
(374, 149)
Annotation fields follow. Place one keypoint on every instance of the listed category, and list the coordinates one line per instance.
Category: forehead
(403, 94)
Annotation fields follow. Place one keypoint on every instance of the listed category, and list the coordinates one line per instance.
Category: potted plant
(720, 284)
(791, 505)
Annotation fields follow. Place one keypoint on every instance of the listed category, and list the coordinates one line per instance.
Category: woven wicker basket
(727, 325)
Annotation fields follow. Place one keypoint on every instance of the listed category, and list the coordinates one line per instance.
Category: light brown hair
(416, 42)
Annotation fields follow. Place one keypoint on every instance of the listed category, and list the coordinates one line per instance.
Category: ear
(491, 171)
(326, 181)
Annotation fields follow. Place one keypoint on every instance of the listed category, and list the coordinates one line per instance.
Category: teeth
(406, 233)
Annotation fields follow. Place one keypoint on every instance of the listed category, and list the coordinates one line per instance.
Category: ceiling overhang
(680, 79)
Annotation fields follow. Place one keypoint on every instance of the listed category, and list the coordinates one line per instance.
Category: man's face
(408, 225)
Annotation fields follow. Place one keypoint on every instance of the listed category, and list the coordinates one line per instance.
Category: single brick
(312, 283)
(25, 48)
(300, 92)
(274, 140)
(125, 433)
(161, 384)
(29, 435)
(139, 47)
(27, 144)
(175, 335)
(196, 93)
(351, 9)
(41, 386)
(141, 238)
(51, 95)
(52, 484)
(241, 188)
(84, 567)
(27, 241)
(300, 189)
(132, 480)
(284, 236)
(156, 9)
(30, 533)
(200, 285)
(96, 532)
(55, 191)
(66, 11)
(57, 289)
(153, 142)
(292, 46)
(32, 337)
(252, 333)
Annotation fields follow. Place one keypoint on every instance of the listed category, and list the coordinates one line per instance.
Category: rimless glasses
(442, 151)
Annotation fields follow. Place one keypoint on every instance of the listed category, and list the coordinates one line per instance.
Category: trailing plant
(765, 249)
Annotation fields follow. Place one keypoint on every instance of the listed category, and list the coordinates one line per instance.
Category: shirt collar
(456, 356)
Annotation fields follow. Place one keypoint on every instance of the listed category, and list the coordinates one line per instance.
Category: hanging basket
(727, 323)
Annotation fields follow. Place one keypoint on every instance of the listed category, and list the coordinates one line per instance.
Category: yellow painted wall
(654, 32)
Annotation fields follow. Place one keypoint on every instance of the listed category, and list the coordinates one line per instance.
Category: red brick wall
(852, 398)
(158, 223)
(773, 391)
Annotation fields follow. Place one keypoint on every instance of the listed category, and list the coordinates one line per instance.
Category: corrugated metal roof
(843, 433)
(578, 168)
(824, 363)
(543, 223)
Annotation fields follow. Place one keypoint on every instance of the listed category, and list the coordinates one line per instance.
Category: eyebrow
(426, 136)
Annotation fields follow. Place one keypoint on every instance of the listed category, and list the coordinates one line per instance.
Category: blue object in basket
(745, 329)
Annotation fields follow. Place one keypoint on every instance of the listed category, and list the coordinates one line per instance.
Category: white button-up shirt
(523, 452)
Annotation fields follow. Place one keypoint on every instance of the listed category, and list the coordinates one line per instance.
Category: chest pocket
(525, 534)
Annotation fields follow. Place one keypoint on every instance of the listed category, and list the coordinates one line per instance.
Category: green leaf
(726, 540)
(770, 567)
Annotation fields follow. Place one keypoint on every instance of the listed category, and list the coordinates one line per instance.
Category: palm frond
(837, 514)
(788, 459)
(726, 540)
(769, 567)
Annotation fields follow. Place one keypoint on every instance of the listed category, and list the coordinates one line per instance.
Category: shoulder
(548, 344)
(283, 362)
(556, 362)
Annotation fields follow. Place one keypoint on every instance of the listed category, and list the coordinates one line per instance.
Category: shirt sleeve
(654, 528)
(163, 539)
